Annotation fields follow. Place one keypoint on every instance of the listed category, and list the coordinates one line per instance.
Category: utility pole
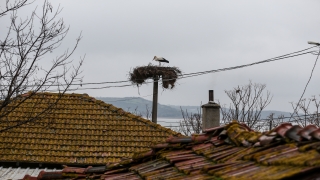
(271, 120)
(140, 74)
(155, 99)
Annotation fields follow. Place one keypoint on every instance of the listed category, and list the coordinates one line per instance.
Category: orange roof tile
(78, 130)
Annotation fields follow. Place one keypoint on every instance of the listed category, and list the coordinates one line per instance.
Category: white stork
(160, 59)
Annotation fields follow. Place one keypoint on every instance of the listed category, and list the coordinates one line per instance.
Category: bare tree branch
(23, 50)
(12, 6)
(148, 112)
(303, 114)
(247, 103)
(191, 123)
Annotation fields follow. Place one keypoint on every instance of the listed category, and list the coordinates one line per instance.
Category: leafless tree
(316, 113)
(24, 51)
(135, 111)
(272, 122)
(148, 113)
(247, 103)
(191, 123)
(307, 112)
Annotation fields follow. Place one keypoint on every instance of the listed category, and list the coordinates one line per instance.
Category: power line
(187, 75)
(170, 126)
(279, 118)
(206, 72)
(288, 117)
(238, 67)
(305, 88)
(104, 87)
(259, 62)
(230, 68)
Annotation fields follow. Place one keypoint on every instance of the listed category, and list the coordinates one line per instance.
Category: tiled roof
(232, 152)
(78, 130)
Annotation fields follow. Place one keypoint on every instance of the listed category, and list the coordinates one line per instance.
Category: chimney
(210, 113)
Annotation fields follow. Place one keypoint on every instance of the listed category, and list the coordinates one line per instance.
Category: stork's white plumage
(160, 59)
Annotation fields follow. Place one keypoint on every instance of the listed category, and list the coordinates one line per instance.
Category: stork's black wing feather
(164, 60)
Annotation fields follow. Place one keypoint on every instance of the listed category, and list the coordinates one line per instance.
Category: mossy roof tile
(238, 156)
(76, 130)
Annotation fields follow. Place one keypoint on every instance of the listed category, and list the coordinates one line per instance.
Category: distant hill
(137, 104)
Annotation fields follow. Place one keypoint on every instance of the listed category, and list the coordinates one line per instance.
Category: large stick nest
(141, 73)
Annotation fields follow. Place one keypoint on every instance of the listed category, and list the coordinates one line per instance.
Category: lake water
(168, 122)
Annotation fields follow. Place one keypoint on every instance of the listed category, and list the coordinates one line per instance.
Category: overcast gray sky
(195, 36)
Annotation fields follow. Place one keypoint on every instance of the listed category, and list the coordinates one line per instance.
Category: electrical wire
(305, 88)
(204, 72)
(187, 75)
(279, 118)
(258, 120)
(230, 68)
(240, 66)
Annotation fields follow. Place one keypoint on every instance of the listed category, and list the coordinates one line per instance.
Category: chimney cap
(211, 95)
(211, 105)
